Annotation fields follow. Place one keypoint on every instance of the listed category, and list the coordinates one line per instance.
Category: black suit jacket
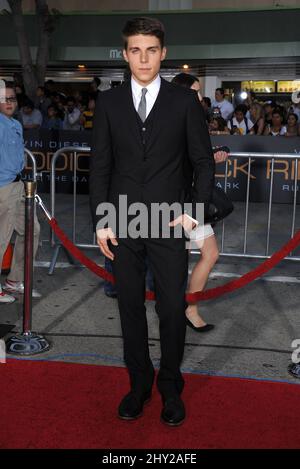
(154, 171)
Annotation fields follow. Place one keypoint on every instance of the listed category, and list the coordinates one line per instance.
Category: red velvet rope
(191, 297)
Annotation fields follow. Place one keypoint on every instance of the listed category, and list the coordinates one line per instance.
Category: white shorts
(199, 234)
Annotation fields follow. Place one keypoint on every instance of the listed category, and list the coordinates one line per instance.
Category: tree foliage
(34, 69)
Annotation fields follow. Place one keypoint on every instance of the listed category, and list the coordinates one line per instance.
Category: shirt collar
(152, 88)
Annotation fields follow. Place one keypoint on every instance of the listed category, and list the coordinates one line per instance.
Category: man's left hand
(187, 222)
(220, 156)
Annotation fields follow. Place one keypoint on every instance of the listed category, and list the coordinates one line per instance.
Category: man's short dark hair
(10, 85)
(71, 99)
(207, 100)
(28, 103)
(220, 121)
(221, 90)
(93, 96)
(278, 110)
(185, 79)
(241, 108)
(97, 81)
(146, 26)
(292, 114)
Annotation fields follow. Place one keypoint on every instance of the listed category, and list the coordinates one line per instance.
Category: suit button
(144, 129)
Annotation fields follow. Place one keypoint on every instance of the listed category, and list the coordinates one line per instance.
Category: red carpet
(61, 405)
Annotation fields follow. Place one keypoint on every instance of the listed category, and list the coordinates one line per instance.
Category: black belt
(18, 177)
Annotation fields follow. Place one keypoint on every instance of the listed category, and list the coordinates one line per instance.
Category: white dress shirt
(151, 95)
(241, 125)
(226, 108)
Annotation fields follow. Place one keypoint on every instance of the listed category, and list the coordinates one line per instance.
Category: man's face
(276, 119)
(27, 110)
(144, 55)
(214, 125)
(196, 86)
(94, 86)
(239, 116)
(8, 107)
(51, 112)
(92, 105)
(70, 106)
(218, 95)
(268, 108)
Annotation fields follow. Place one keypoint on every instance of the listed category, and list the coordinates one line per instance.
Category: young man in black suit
(143, 132)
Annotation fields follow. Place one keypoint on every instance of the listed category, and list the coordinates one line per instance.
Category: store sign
(288, 86)
(259, 86)
(115, 54)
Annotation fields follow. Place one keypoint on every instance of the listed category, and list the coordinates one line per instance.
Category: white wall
(209, 85)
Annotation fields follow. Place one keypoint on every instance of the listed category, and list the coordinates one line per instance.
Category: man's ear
(163, 53)
(125, 55)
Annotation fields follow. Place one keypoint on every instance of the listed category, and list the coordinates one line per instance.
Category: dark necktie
(142, 109)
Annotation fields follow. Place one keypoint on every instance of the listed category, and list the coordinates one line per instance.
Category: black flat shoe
(111, 294)
(173, 412)
(132, 405)
(206, 328)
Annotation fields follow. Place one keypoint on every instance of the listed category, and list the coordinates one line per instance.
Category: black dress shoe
(206, 328)
(173, 412)
(131, 406)
(111, 294)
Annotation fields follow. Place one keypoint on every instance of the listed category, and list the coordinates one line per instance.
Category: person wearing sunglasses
(12, 201)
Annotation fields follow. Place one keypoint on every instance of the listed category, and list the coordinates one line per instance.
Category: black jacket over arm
(151, 166)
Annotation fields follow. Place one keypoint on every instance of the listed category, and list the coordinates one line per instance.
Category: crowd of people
(251, 117)
(54, 110)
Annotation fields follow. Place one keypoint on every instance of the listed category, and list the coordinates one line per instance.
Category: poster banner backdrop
(43, 144)
(260, 176)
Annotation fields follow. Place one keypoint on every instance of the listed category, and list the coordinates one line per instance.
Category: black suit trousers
(168, 260)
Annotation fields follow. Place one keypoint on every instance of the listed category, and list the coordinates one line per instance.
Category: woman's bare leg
(199, 276)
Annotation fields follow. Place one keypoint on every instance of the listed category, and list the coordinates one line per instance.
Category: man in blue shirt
(12, 207)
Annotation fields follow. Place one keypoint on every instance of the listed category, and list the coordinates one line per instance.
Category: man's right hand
(102, 236)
